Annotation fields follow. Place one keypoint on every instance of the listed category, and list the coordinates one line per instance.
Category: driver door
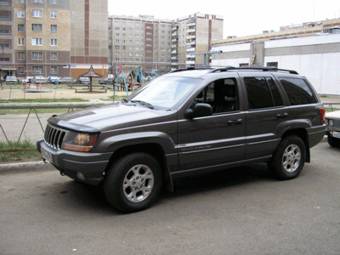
(216, 140)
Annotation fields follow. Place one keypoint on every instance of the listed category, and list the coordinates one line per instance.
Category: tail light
(322, 115)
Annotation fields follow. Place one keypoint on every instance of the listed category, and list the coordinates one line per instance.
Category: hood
(116, 115)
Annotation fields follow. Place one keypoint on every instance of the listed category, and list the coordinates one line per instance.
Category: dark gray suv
(185, 122)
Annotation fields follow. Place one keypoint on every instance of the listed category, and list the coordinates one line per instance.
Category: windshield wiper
(143, 103)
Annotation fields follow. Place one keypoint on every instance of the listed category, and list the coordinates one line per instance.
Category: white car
(40, 79)
(11, 80)
(333, 132)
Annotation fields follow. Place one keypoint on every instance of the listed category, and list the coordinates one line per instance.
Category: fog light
(80, 176)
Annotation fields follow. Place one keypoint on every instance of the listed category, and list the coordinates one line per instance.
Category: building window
(21, 56)
(38, 1)
(21, 14)
(37, 69)
(37, 13)
(21, 41)
(37, 41)
(4, 59)
(54, 56)
(37, 27)
(54, 42)
(54, 28)
(53, 69)
(53, 1)
(37, 55)
(273, 64)
(21, 28)
(53, 14)
(21, 70)
(21, 1)
(243, 65)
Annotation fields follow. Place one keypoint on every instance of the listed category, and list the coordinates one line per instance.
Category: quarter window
(221, 94)
(298, 91)
(259, 95)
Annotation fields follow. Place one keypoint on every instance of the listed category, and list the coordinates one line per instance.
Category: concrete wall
(317, 57)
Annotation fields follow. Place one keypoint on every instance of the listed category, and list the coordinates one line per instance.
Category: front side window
(259, 95)
(165, 92)
(221, 94)
(298, 91)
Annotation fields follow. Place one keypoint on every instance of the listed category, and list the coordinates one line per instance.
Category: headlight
(81, 142)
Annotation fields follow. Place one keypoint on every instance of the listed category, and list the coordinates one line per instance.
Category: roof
(200, 72)
(91, 73)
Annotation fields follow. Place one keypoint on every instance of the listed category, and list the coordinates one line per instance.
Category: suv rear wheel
(289, 158)
(133, 182)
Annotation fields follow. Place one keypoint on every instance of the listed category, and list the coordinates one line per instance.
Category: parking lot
(241, 211)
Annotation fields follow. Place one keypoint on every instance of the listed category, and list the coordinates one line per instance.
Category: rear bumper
(316, 134)
(86, 167)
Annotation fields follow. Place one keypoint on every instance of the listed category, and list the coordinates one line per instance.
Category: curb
(24, 166)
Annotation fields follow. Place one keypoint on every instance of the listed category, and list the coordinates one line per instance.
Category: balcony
(191, 49)
(5, 30)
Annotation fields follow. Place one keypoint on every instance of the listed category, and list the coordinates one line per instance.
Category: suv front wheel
(133, 182)
(289, 158)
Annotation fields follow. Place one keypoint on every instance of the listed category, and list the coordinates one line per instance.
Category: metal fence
(32, 109)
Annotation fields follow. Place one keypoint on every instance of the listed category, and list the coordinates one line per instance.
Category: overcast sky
(241, 17)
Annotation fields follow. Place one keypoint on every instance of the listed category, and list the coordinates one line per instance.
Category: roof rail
(190, 68)
(265, 69)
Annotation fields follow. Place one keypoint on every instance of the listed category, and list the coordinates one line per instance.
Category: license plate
(46, 155)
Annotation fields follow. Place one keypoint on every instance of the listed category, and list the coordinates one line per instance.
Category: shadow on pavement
(81, 197)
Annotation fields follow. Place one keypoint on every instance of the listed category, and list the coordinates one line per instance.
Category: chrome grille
(54, 136)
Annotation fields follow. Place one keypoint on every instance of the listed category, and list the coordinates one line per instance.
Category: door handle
(234, 122)
(282, 115)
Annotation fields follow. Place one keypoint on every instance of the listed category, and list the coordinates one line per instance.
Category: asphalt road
(242, 211)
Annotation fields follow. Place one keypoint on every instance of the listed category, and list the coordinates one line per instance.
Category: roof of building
(305, 29)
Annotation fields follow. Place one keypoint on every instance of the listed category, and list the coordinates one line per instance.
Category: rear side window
(259, 95)
(298, 91)
(275, 92)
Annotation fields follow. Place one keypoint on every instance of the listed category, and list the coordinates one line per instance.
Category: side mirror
(199, 110)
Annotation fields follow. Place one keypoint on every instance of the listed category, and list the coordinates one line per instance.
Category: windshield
(165, 91)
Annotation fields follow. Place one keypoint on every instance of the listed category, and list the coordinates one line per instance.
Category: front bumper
(85, 167)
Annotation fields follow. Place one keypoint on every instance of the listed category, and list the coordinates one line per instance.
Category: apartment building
(7, 63)
(51, 37)
(162, 44)
(139, 41)
(89, 38)
(312, 49)
(192, 38)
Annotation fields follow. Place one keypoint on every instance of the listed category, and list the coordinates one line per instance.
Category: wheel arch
(302, 133)
(154, 149)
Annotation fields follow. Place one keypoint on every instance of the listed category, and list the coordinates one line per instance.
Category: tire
(333, 142)
(286, 163)
(133, 183)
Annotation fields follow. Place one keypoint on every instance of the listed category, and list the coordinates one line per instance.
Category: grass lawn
(16, 152)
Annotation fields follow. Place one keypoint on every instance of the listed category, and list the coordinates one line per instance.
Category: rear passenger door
(265, 112)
